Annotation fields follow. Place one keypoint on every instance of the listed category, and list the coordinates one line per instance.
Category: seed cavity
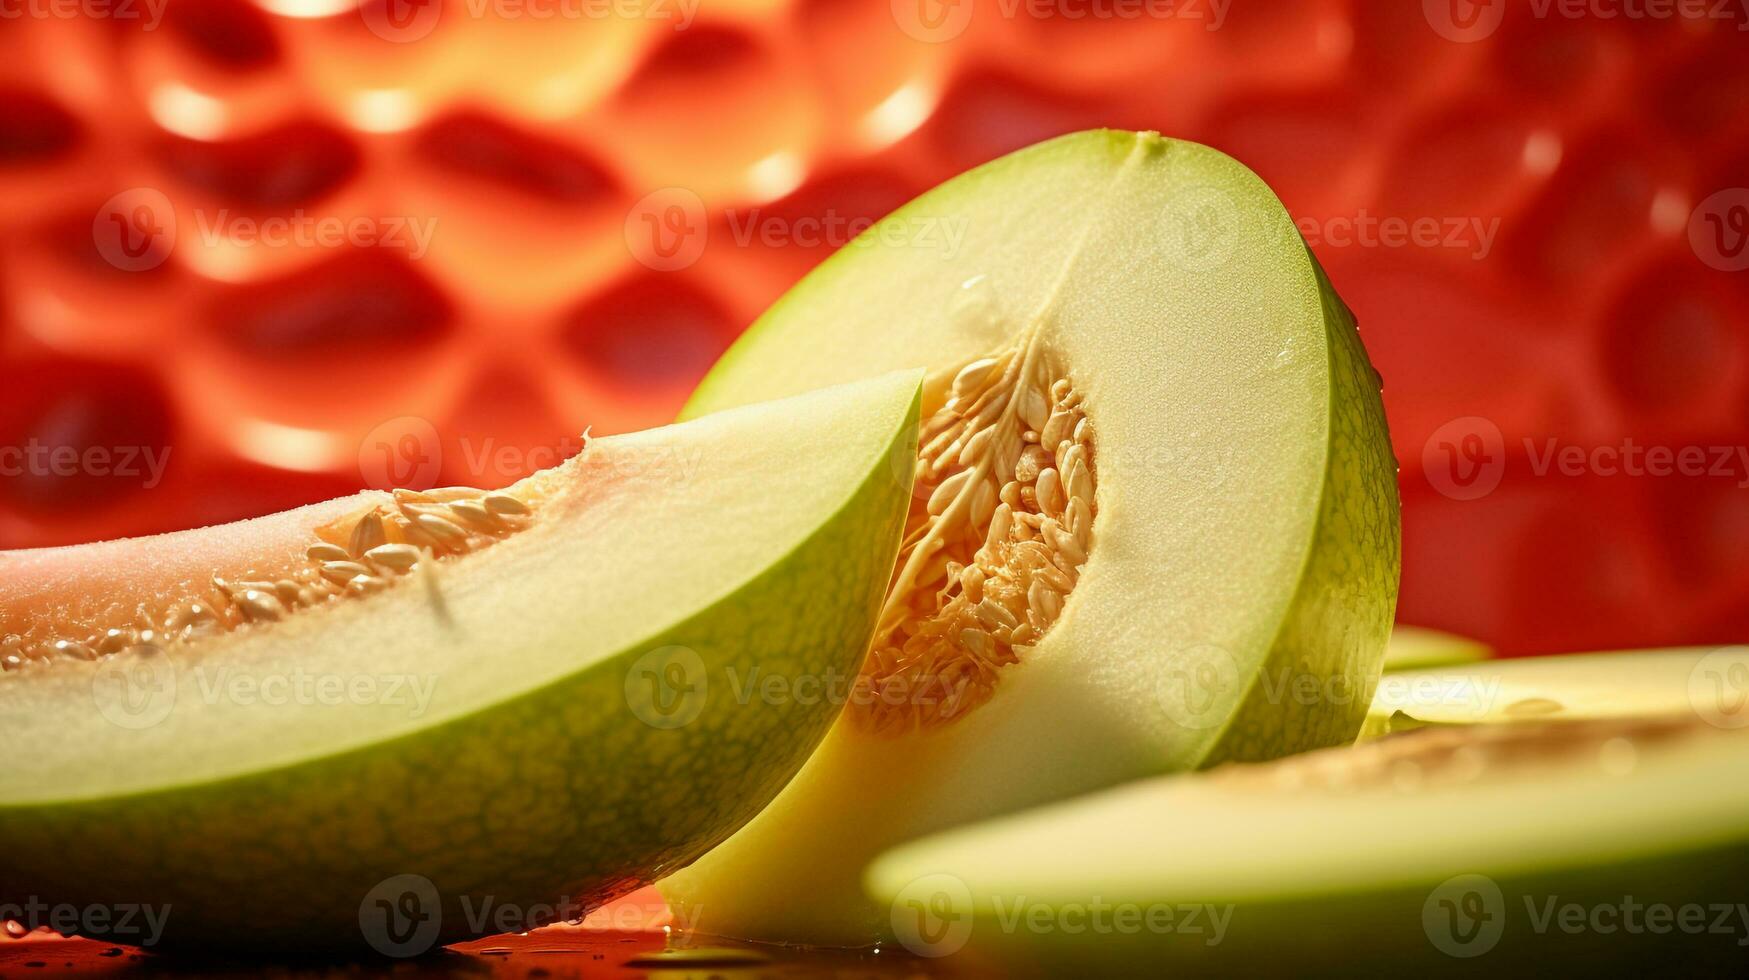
(361, 554)
(1000, 526)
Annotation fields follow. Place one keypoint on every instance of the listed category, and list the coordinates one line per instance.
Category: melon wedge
(1617, 847)
(528, 723)
(1155, 524)
(1711, 683)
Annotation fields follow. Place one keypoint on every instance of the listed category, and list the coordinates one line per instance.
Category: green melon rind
(1317, 683)
(1671, 830)
(560, 793)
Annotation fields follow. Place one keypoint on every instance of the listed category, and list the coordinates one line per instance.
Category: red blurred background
(289, 247)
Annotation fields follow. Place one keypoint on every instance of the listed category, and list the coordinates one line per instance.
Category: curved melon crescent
(558, 717)
(1242, 573)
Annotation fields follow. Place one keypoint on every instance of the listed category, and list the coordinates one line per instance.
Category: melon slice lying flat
(1709, 682)
(1420, 648)
(524, 702)
(1498, 850)
(1155, 523)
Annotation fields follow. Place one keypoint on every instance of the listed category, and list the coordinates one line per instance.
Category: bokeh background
(285, 248)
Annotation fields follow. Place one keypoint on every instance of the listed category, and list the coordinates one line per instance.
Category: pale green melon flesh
(1246, 538)
(530, 775)
(1420, 648)
(1329, 861)
(1629, 684)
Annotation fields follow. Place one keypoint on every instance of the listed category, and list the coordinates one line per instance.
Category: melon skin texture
(540, 772)
(1701, 681)
(1453, 875)
(1242, 575)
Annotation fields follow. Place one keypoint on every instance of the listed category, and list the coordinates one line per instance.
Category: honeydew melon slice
(1420, 648)
(543, 713)
(1511, 849)
(1155, 528)
(1709, 682)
